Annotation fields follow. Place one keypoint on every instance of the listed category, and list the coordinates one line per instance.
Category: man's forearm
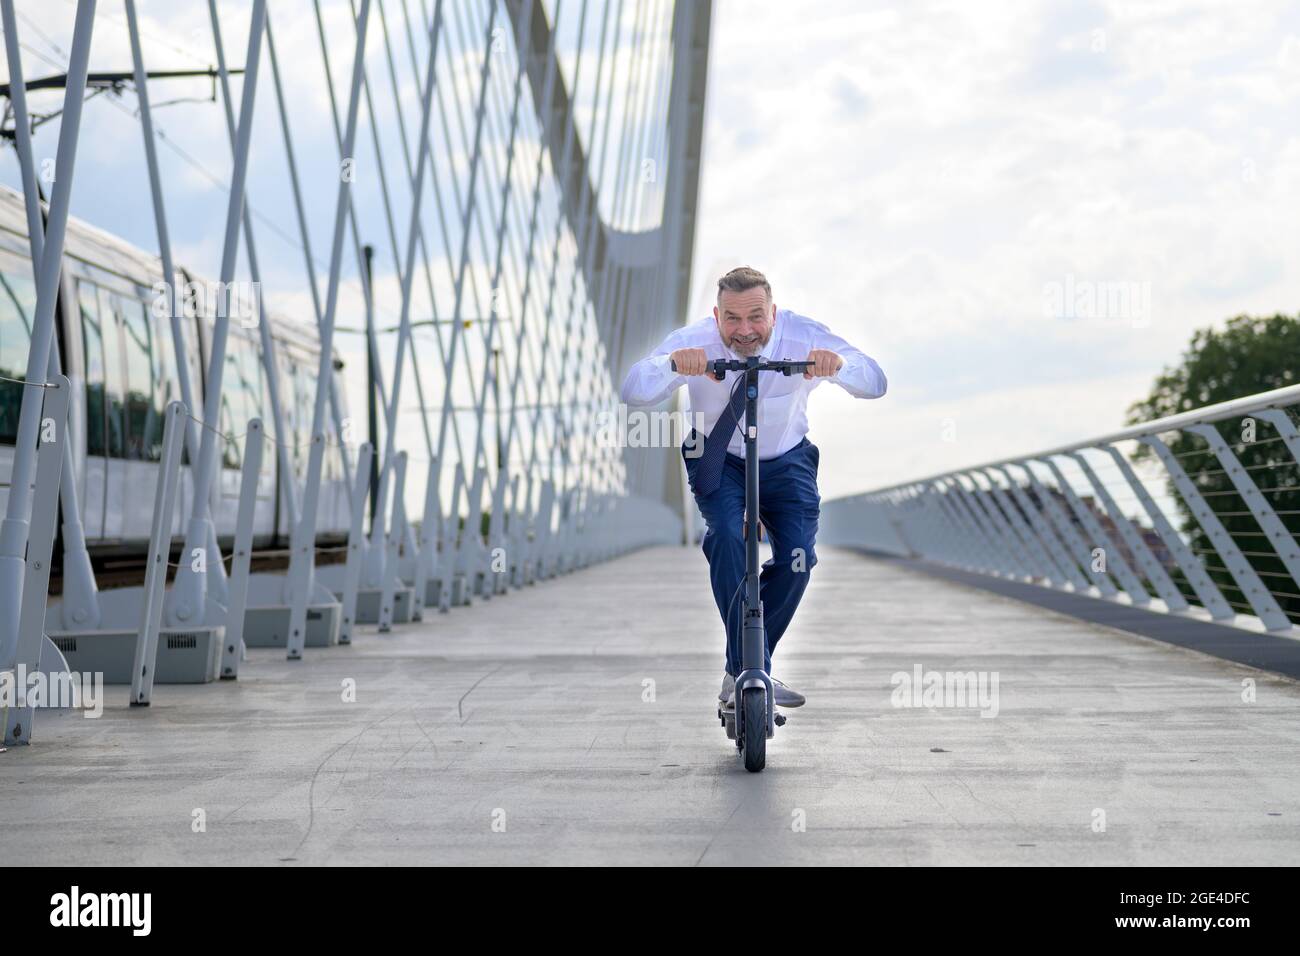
(860, 376)
(650, 381)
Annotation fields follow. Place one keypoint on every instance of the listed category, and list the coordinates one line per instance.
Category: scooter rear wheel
(753, 714)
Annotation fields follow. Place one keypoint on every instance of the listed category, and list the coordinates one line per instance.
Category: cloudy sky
(945, 184)
(929, 179)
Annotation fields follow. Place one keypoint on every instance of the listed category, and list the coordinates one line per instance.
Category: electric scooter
(754, 717)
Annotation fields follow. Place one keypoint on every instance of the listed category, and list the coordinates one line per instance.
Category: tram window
(143, 415)
(258, 405)
(231, 406)
(241, 388)
(168, 383)
(114, 411)
(17, 308)
(151, 377)
(92, 343)
(297, 414)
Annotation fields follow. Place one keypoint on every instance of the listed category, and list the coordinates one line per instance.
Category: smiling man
(746, 322)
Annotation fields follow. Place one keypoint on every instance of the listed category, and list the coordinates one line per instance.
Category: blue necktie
(708, 472)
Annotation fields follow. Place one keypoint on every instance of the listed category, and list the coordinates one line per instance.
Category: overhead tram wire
(160, 133)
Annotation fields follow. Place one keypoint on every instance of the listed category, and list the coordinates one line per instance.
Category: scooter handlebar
(719, 367)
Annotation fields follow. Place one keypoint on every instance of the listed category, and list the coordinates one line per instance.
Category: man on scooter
(746, 322)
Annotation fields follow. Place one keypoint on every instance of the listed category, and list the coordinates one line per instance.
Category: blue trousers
(788, 507)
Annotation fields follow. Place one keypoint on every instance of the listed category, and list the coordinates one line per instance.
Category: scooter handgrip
(715, 367)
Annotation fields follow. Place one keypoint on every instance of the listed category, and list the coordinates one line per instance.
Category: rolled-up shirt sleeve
(860, 376)
(652, 379)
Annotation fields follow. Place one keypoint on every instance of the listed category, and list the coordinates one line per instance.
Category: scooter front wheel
(753, 728)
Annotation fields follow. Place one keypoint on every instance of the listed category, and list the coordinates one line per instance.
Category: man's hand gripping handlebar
(694, 362)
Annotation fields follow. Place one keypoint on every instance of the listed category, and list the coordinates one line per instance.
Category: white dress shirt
(782, 400)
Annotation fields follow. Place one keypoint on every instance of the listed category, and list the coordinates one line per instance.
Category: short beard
(756, 347)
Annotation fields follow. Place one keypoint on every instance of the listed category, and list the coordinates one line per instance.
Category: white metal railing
(1196, 513)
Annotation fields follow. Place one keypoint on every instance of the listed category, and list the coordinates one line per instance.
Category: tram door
(130, 378)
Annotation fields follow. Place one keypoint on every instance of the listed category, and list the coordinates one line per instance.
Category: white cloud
(916, 176)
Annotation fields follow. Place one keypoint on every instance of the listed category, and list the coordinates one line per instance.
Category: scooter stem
(754, 640)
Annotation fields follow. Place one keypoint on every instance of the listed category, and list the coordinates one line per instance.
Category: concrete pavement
(573, 723)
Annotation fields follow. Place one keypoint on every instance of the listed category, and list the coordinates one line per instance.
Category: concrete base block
(368, 605)
(269, 626)
(189, 655)
(460, 594)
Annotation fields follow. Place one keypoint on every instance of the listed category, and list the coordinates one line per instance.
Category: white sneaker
(787, 696)
(727, 695)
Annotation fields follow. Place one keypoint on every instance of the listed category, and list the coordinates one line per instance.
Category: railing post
(980, 552)
(242, 554)
(15, 528)
(1060, 553)
(452, 586)
(1261, 600)
(542, 530)
(1156, 574)
(519, 523)
(994, 559)
(160, 545)
(1207, 592)
(388, 596)
(1035, 548)
(426, 561)
(1284, 543)
(1071, 535)
(469, 557)
(497, 521)
(356, 541)
(1286, 430)
(30, 646)
(999, 527)
(1112, 556)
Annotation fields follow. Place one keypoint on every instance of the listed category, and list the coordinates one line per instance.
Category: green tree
(1246, 356)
